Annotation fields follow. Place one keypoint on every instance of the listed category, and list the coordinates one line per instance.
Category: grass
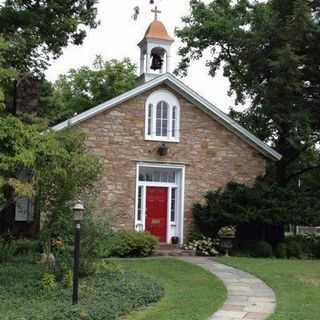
(191, 293)
(295, 282)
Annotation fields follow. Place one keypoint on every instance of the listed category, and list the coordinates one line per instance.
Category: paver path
(249, 298)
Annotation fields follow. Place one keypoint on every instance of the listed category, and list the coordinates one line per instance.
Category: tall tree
(31, 32)
(6, 73)
(83, 88)
(270, 53)
(38, 30)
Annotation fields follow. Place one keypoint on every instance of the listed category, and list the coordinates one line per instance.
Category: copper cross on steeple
(156, 11)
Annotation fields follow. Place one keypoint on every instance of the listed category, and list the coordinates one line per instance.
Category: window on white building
(173, 205)
(140, 198)
(162, 117)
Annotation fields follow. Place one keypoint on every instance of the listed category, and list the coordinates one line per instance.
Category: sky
(118, 35)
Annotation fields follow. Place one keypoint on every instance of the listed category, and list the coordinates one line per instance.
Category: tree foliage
(83, 88)
(32, 159)
(262, 204)
(38, 30)
(64, 173)
(18, 143)
(53, 166)
(6, 73)
(269, 52)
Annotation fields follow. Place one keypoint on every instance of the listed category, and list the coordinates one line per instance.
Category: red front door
(156, 212)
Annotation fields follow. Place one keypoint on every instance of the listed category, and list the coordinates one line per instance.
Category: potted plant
(227, 234)
(175, 240)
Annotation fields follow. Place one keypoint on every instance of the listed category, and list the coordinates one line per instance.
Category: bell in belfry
(157, 62)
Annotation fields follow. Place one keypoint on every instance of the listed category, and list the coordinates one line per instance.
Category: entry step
(170, 250)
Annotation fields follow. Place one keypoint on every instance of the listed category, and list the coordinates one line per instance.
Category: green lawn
(295, 282)
(191, 293)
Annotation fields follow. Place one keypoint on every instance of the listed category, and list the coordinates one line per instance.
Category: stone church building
(163, 146)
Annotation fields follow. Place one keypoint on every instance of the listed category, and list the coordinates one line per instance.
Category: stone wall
(213, 156)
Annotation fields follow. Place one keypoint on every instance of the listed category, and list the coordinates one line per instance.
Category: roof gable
(178, 86)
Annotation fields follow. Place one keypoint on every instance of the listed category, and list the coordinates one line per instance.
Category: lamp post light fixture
(163, 150)
(78, 210)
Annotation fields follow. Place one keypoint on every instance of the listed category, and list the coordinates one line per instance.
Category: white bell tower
(155, 56)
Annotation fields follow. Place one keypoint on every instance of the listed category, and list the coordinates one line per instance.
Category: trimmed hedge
(262, 249)
(132, 244)
(281, 251)
(294, 249)
(316, 249)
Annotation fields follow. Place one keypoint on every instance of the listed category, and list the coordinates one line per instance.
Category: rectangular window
(174, 120)
(164, 108)
(165, 127)
(140, 198)
(164, 176)
(24, 209)
(158, 127)
(172, 176)
(150, 119)
(158, 120)
(173, 204)
(157, 175)
(162, 119)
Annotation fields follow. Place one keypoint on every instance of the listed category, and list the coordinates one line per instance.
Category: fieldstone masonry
(212, 155)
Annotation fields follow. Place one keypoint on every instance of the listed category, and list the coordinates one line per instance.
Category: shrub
(109, 267)
(8, 249)
(95, 239)
(307, 243)
(204, 246)
(281, 251)
(294, 249)
(62, 253)
(88, 266)
(48, 281)
(132, 244)
(26, 247)
(316, 249)
(262, 249)
(94, 245)
(68, 279)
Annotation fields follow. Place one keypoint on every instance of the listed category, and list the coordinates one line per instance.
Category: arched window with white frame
(162, 122)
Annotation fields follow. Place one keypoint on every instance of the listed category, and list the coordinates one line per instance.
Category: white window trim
(171, 100)
(179, 218)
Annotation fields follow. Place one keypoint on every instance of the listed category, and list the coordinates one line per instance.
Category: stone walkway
(249, 298)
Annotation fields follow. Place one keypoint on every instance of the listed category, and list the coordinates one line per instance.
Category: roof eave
(109, 104)
(224, 119)
(190, 95)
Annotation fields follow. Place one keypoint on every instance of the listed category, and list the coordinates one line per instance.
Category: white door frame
(178, 225)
